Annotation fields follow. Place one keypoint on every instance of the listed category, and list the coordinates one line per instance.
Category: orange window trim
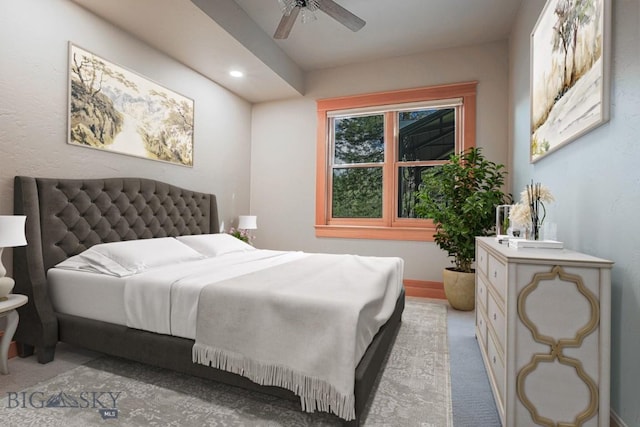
(389, 227)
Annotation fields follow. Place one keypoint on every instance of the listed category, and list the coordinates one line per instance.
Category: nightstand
(8, 310)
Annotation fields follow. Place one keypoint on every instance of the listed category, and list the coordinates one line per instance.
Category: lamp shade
(12, 231)
(247, 222)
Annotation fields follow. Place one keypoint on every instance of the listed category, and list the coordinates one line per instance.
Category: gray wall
(596, 183)
(284, 147)
(33, 108)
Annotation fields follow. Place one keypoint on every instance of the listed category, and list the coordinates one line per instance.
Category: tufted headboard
(67, 216)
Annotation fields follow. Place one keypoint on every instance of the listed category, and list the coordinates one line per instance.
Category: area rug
(413, 390)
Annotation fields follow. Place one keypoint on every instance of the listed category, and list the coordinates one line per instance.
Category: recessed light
(236, 73)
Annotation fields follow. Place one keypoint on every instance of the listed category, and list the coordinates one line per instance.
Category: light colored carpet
(413, 390)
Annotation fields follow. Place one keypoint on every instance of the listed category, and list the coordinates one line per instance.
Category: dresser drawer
(481, 295)
(497, 322)
(497, 275)
(481, 328)
(481, 259)
(496, 364)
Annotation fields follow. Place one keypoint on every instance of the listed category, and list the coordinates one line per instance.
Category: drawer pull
(495, 317)
(495, 273)
(494, 360)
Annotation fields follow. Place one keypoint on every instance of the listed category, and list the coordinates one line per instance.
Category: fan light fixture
(307, 8)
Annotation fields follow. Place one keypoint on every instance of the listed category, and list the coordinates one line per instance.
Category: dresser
(543, 328)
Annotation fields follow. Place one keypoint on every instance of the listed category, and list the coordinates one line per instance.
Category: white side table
(8, 310)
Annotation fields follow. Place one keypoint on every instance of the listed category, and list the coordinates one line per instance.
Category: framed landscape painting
(569, 72)
(114, 109)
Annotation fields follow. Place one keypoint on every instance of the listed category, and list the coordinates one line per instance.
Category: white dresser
(543, 327)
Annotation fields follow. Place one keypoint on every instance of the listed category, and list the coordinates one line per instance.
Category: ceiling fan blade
(286, 23)
(341, 14)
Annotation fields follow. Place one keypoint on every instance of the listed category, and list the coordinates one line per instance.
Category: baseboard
(615, 420)
(424, 289)
(13, 348)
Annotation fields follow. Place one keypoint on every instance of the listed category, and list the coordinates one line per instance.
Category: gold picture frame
(570, 50)
(115, 109)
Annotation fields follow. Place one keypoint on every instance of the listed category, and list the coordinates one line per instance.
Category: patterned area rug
(413, 390)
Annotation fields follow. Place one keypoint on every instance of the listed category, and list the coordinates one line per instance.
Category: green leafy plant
(461, 198)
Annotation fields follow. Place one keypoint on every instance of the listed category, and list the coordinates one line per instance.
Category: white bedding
(160, 299)
(90, 295)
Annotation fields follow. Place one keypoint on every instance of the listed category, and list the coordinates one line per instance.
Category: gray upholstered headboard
(74, 214)
(67, 216)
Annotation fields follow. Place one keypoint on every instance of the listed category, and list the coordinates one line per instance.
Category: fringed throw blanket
(302, 326)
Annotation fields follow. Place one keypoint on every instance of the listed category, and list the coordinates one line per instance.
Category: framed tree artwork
(114, 109)
(569, 72)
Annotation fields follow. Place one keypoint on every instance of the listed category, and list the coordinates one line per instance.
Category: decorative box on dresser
(543, 328)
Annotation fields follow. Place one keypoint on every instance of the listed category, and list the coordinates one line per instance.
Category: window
(372, 150)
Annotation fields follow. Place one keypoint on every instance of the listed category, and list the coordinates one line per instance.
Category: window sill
(375, 233)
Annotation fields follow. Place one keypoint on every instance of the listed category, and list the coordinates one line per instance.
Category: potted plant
(461, 198)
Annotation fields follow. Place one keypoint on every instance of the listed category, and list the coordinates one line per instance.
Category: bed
(68, 216)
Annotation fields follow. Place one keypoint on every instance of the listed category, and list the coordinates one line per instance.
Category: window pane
(426, 134)
(359, 139)
(409, 180)
(357, 193)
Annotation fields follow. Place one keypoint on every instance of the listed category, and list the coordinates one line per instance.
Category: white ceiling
(213, 36)
(394, 28)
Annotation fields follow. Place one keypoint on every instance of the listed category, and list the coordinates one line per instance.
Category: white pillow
(131, 256)
(213, 245)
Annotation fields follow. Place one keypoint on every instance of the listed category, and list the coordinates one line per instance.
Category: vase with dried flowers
(530, 211)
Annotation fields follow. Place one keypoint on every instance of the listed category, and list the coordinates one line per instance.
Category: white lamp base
(6, 285)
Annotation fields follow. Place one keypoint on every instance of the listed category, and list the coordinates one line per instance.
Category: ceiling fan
(291, 9)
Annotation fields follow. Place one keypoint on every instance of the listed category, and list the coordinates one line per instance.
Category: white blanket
(165, 299)
(303, 325)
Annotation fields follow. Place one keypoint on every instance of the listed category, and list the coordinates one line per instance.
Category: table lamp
(11, 234)
(247, 222)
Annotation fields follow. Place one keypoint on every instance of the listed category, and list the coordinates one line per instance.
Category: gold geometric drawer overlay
(557, 345)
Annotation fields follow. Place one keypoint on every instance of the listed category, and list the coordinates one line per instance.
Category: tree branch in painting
(172, 140)
(94, 120)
